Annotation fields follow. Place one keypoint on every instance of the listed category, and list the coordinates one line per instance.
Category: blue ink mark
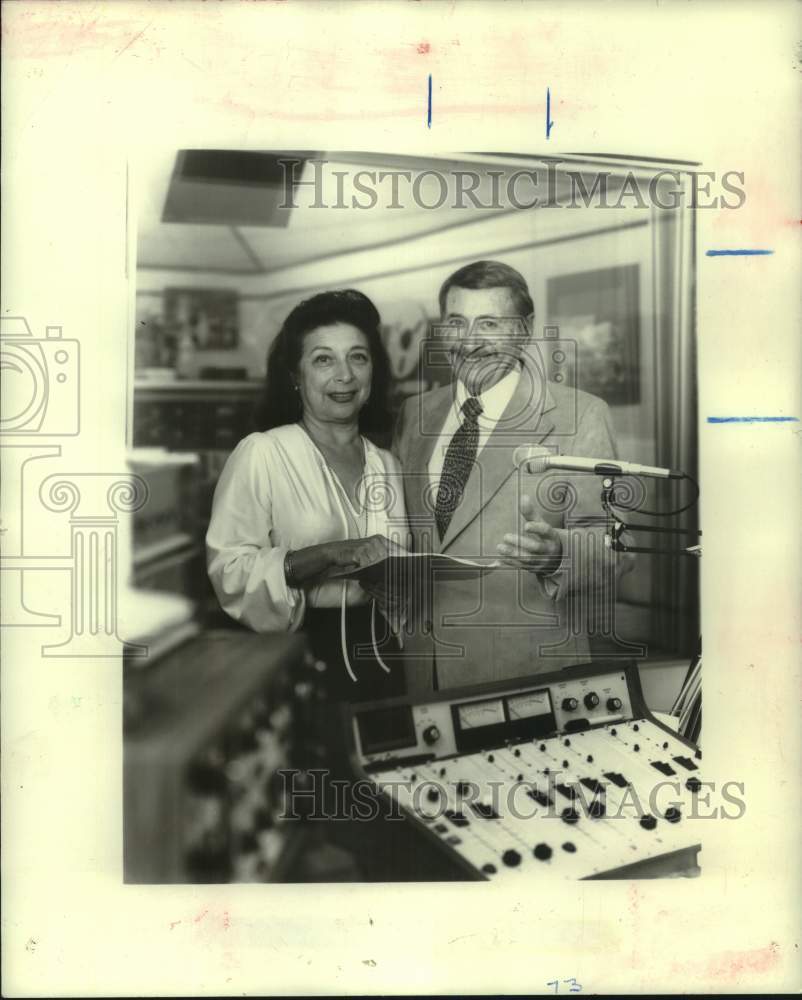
(752, 420)
(738, 253)
(429, 116)
(549, 122)
(573, 985)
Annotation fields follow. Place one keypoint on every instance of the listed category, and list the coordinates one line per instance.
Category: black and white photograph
(400, 457)
(438, 505)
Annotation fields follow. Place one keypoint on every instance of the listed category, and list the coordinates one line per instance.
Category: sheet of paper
(404, 570)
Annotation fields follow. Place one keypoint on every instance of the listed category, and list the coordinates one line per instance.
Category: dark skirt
(322, 627)
(366, 843)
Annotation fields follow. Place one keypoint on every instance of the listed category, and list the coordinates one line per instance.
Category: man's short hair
(490, 274)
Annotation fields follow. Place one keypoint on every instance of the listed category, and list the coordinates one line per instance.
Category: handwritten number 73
(573, 985)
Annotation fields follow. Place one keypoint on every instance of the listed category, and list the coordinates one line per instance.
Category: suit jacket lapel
(524, 421)
(432, 413)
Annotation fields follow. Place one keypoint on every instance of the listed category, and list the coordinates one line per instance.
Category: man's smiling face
(486, 335)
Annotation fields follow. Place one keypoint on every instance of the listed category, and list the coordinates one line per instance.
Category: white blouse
(277, 493)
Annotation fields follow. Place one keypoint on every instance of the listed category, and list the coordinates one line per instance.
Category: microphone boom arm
(618, 527)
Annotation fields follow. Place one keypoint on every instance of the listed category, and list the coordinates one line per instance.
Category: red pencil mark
(225, 919)
(39, 34)
(634, 899)
(136, 36)
(734, 964)
(423, 48)
(332, 113)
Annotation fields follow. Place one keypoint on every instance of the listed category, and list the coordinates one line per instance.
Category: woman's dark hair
(281, 403)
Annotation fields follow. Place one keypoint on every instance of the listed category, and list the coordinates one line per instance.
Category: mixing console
(564, 775)
(207, 731)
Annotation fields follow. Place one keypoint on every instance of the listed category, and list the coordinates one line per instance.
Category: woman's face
(334, 373)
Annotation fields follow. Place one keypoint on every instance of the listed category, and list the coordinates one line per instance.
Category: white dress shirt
(494, 402)
(277, 493)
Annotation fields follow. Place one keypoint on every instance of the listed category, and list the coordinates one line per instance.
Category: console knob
(431, 734)
(614, 704)
(597, 808)
(591, 699)
(570, 704)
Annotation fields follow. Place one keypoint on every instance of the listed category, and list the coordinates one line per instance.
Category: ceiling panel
(315, 233)
(320, 234)
(191, 248)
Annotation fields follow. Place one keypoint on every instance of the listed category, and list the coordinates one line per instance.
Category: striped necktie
(457, 465)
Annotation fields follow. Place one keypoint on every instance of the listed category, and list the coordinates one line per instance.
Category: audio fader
(562, 775)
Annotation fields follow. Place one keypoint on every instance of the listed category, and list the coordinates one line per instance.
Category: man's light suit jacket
(509, 622)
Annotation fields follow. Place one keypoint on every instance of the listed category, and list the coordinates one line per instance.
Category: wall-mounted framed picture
(600, 311)
(209, 315)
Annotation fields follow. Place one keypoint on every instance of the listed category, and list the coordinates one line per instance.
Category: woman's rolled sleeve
(245, 567)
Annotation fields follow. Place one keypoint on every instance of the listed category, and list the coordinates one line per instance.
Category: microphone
(535, 458)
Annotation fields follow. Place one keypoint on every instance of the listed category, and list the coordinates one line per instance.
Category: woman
(311, 498)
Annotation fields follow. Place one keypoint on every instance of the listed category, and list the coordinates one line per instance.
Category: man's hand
(538, 549)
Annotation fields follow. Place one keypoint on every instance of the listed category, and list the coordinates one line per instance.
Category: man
(465, 497)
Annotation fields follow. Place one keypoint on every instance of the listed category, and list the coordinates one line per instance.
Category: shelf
(197, 385)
